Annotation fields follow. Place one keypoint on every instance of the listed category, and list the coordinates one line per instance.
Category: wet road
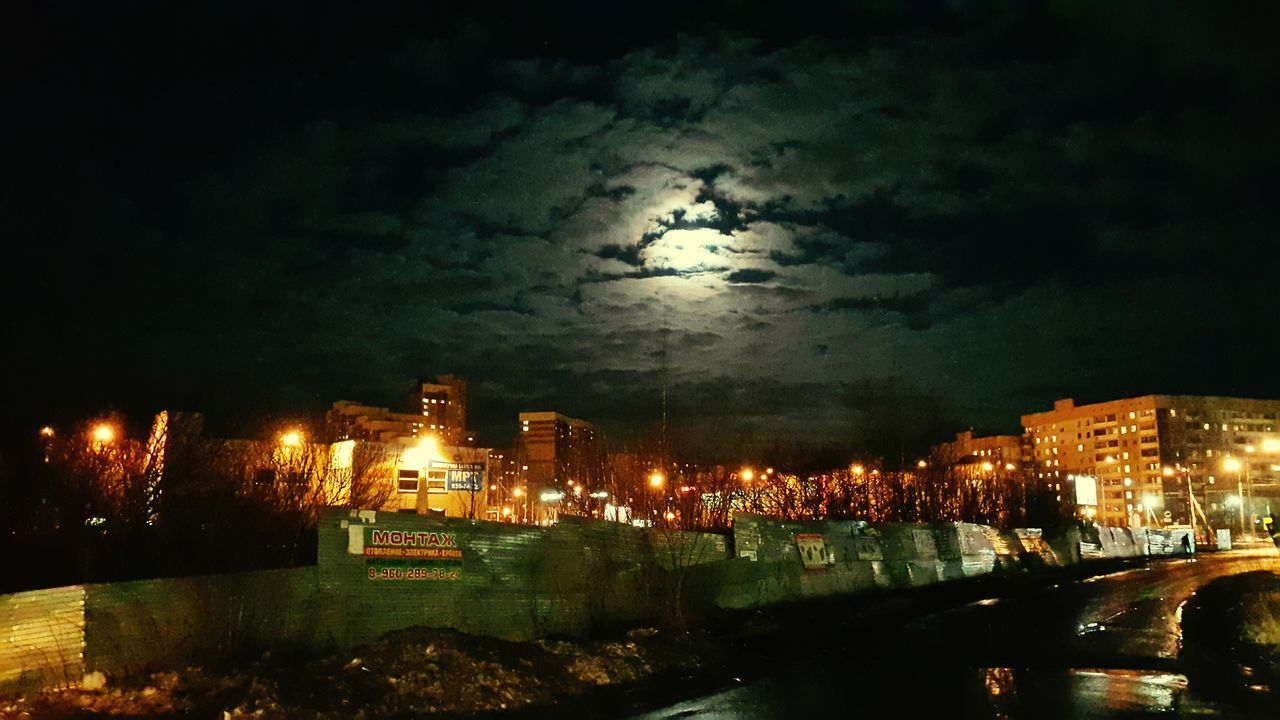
(1099, 647)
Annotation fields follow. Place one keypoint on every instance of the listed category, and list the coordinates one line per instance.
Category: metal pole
(1248, 484)
(1240, 494)
(1191, 509)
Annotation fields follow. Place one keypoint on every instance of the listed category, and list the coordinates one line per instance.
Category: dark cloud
(983, 208)
(750, 275)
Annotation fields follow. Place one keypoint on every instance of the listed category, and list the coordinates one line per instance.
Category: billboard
(1086, 490)
(461, 477)
(411, 555)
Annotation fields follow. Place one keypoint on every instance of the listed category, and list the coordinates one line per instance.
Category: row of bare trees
(97, 505)
(693, 496)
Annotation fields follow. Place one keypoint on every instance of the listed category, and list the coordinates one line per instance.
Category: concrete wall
(43, 637)
(512, 581)
(135, 627)
(505, 580)
(54, 636)
(768, 567)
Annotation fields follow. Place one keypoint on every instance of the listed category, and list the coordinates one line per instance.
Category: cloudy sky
(808, 225)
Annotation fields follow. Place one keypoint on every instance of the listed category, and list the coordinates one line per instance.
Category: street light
(291, 438)
(747, 474)
(922, 464)
(103, 433)
(656, 480)
(46, 432)
(987, 466)
(1234, 465)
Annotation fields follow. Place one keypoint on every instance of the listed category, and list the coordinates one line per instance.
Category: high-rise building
(443, 403)
(1146, 455)
(1002, 452)
(348, 420)
(554, 450)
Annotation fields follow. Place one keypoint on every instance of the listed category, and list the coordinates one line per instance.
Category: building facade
(554, 450)
(1162, 459)
(992, 453)
(443, 404)
(348, 420)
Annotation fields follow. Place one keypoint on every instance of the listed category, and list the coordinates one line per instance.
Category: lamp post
(1191, 500)
(656, 483)
(1248, 486)
(1234, 465)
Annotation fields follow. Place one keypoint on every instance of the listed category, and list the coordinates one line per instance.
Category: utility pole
(662, 446)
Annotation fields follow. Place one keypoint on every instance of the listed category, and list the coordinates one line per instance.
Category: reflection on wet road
(1103, 647)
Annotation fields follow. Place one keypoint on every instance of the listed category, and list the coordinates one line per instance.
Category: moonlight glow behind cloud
(794, 229)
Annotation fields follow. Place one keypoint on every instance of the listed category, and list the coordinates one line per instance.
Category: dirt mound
(406, 673)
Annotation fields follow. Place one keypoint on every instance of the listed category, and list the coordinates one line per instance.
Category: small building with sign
(429, 479)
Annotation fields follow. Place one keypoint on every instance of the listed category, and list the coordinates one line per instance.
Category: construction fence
(378, 572)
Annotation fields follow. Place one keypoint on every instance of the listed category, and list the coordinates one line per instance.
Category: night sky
(813, 222)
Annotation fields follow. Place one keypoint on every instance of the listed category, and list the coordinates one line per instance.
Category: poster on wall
(813, 551)
(411, 555)
(461, 477)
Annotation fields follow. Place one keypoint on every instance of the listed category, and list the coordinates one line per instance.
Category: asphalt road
(1105, 646)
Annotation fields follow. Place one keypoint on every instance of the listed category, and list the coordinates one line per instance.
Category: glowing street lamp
(656, 480)
(857, 469)
(291, 439)
(46, 432)
(922, 464)
(747, 474)
(103, 433)
(987, 466)
(1233, 465)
